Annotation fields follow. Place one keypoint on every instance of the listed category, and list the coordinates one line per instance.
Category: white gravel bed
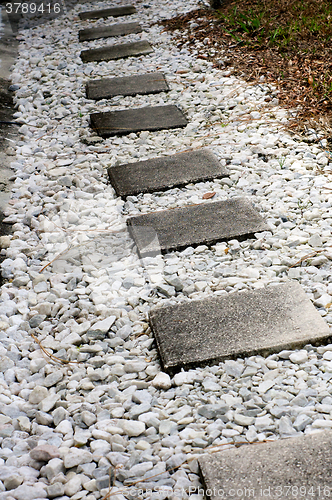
(62, 426)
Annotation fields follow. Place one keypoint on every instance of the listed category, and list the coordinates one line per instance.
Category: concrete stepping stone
(298, 467)
(116, 51)
(125, 10)
(108, 31)
(150, 83)
(240, 324)
(165, 172)
(202, 224)
(135, 120)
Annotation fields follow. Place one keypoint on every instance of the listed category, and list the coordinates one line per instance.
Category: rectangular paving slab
(239, 324)
(165, 172)
(298, 467)
(112, 12)
(135, 120)
(108, 31)
(202, 224)
(150, 83)
(119, 51)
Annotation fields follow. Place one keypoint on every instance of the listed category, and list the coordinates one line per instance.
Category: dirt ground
(286, 43)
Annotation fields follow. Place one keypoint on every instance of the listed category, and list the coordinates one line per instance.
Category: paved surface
(8, 46)
(116, 51)
(206, 224)
(112, 12)
(150, 83)
(136, 120)
(8, 54)
(108, 31)
(294, 468)
(236, 325)
(165, 172)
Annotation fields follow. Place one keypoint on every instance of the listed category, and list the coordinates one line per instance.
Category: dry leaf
(207, 196)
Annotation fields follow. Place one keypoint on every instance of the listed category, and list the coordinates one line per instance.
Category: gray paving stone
(165, 172)
(119, 51)
(205, 223)
(240, 324)
(125, 10)
(298, 467)
(135, 120)
(108, 31)
(150, 83)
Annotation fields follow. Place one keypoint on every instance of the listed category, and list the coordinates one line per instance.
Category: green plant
(304, 205)
(281, 161)
(243, 23)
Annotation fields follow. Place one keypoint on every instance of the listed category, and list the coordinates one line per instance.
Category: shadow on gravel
(5, 229)
(6, 102)
(6, 131)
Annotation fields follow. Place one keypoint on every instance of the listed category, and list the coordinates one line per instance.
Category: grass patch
(288, 42)
(288, 26)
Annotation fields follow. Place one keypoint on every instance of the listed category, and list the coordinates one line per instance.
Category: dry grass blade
(55, 259)
(50, 355)
(308, 256)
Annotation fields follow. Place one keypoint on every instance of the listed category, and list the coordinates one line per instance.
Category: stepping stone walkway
(201, 332)
(242, 324)
(163, 173)
(135, 120)
(151, 83)
(116, 51)
(126, 10)
(202, 224)
(108, 31)
(298, 467)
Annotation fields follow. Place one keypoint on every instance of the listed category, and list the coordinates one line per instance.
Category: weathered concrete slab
(240, 324)
(135, 120)
(298, 467)
(119, 51)
(206, 223)
(126, 10)
(150, 83)
(108, 31)
(165, 172)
